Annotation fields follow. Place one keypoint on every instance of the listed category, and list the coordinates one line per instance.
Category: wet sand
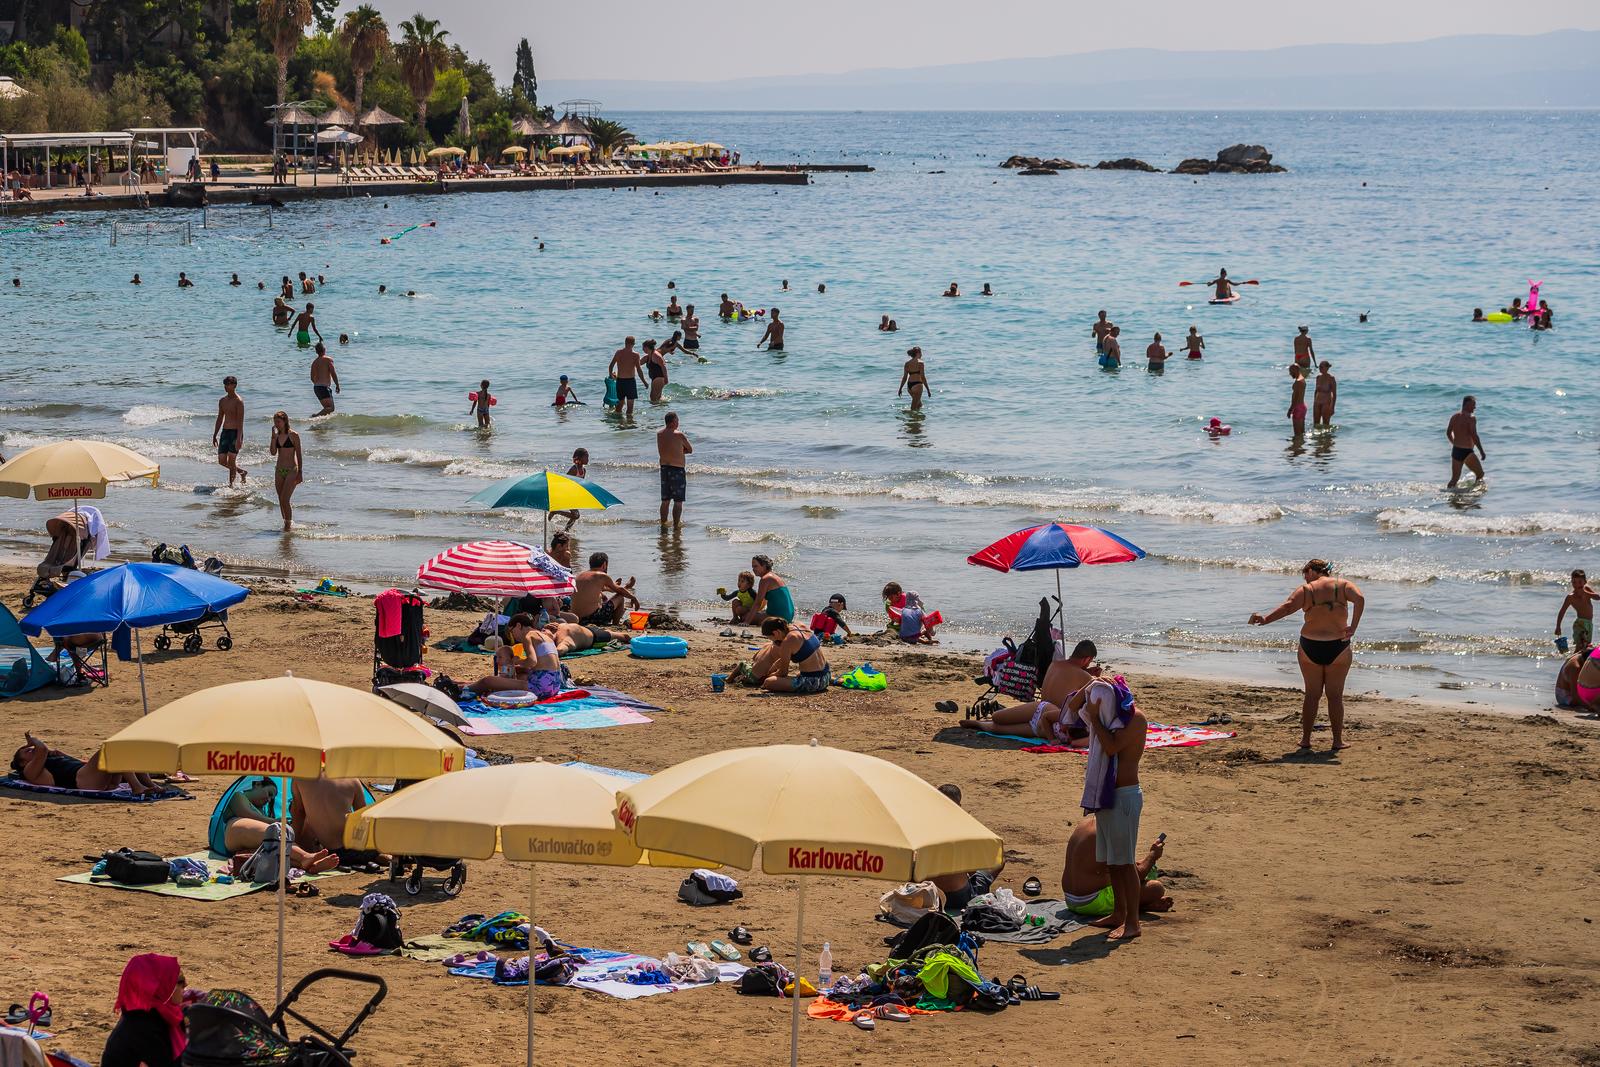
(1423, 898)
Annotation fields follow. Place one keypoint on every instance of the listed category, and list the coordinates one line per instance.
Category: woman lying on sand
(39, 764)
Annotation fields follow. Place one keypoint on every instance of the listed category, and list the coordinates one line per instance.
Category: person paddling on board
(1223, 286)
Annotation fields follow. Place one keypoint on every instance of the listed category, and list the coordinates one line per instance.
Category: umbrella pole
(794, 1010)
(533, 891)
(283, 872)
(1061, 609)
(138, 654)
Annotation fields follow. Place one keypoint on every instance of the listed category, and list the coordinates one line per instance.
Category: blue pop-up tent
(127, 597)
(22, 669)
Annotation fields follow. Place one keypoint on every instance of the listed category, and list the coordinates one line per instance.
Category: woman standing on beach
(1332, 609)
(290, 469)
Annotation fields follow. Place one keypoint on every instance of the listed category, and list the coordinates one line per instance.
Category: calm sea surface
(808, 456)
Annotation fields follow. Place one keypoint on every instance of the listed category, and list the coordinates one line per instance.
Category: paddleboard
(1234, 299)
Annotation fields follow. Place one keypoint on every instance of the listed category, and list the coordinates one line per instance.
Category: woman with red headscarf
(150, 1001)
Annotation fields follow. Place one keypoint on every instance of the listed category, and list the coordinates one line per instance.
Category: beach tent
(22, 669)
(215, 833)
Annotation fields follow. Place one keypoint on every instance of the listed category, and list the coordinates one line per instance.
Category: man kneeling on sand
(590, 603)
(961, 887)
(1086, 881)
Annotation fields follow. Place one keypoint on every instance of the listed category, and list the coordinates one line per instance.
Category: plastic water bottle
(825, 966)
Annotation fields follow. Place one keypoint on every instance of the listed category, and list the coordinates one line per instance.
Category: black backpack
(379, 924)
(132, 867)
(763, 980)
(934, 928)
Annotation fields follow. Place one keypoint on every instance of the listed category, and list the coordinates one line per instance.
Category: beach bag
(703, 889)
(866, 679)
(906, 904)
(764, 980)
(262, 864)
(934, 928)
(379, 922)
(133, 867)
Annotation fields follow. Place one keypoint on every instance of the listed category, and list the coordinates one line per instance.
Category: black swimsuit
(1323, 653)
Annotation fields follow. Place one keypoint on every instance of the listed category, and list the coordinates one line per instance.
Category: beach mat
(1057, 921)
(1159, 736)
(601, 962)
(459, 644)
(120, 793)
(597, 710)
(209, 891)
(436, 948)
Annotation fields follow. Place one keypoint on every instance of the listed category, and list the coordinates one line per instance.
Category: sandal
(761, 954)
(1033, 887)
(864, 1021)
(726, 951)
(467, 959)
(892, 1012)
(949, 706)
(699, 948)
(740, 936)
(1019, 988)
(304, 889)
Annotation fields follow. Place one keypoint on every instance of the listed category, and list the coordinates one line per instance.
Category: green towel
(209, 891)
(937, 969)
(435, 948)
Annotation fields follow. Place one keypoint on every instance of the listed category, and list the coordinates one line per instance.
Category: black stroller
(192, 633)
(1018, 673)
(455, 880)
(228, 1028)
(398, 658)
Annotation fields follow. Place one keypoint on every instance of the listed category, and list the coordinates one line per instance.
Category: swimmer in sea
(564, 394)
(1297, 400)
(281, 312)
(786, 285)
(305, 324)
(628, 370)
(323, 375)
(1101, 327)
(1155, 355)
(1304, 354)
(914, 376)
(954, 290)
(1222, 285)
(656, 367)
(261, 286)
(184, 282)
(883, 325)
(1462, 433)
(655, 315)
(821, 288)
(673, 310)
(480, 405)
(726, 309)
(691, 330)
(1326, 396)
(306, 284)
(1195, 344)
(1111, 349)
(671, 344)
(894, 327)
(135, 281)
(235, 281)
(986, 290)
(287, 288)
(382, 289)
(773, 338)
(344, 338)
(1477, 315)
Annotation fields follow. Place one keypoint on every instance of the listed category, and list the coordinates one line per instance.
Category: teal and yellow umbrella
(546, 491)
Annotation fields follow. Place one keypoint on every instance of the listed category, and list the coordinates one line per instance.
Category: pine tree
(525, 79)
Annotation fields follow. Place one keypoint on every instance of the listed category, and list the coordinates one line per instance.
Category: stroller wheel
(192, 643)
(224, 643)
(28, 600)
(395, 869)
(162, 642)
(414, 882)
(457, 880)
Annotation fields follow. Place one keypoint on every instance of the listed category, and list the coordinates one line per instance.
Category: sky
(712, 40)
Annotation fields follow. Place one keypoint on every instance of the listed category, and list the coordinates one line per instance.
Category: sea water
(809, 456)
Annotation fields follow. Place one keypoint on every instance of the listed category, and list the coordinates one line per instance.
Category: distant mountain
(1560, 69)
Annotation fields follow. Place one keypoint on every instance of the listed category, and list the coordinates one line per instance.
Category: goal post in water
(180, 232)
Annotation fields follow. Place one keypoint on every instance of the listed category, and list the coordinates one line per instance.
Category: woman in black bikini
(1333, 609)
(289, 472)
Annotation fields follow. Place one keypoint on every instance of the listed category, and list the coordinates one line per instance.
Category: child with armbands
(909, 616)
(829, 622)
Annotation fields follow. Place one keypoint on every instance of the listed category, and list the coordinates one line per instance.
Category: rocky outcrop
(1038, 170)
(1022, 161)
(1126, 164)
(1063, 164)
(1238, 159)
(191, 194)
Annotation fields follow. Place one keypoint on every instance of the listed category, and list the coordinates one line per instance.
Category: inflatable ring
(510, 698)
(659, 646)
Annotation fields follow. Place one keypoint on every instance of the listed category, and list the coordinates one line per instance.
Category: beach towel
(823, 1008)
(625, 776)
(1158, 736)
(209, 891)
(1112, 703)
(387, 605)
(436, 948)
(460, 644)
(1056, 920)
(598, 709)
(121, 792)
(599, 963)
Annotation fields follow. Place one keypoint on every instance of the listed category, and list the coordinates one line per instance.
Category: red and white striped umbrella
(496, 568)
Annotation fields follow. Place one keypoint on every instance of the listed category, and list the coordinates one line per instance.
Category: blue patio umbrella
(129, 597)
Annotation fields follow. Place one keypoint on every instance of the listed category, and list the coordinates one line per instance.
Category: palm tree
(284, 22)
(607, 136)
(423, 54)
(367, 36)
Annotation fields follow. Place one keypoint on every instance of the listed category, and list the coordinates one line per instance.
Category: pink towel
(388, 604)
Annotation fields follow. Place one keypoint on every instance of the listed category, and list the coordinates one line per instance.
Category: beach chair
(228, 1028)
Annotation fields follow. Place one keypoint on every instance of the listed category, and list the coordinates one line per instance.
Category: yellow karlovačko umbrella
(514, 150)
(73, 470)
(473, 155)
(284, 727)
(530, 813)
(811, 810)
(445, 150)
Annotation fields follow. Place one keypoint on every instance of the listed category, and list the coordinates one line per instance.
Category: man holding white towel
(1116, 744)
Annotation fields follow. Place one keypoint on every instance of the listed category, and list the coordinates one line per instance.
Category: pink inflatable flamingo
(1533, 294)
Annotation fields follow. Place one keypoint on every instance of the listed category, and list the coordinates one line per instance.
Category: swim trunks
(323, 392)
(605, 613)
(1117, 828)
(1582, 632)
(1459, 454)
(304, 338)
(627, 388)
(1093, 905)
(1298, 411)
(978, 883)
(775, 348)
(691, 343)
(813, 681)
(228, 442)
(674, 483)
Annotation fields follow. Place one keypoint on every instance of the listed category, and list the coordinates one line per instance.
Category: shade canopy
(292, 116)
(513, 150)
(338, 135)
(336, 116)
(89, 139)
(132, 594)
(571, 150)
(445, 150)
(425, 699)
(1055, 546)
(531, 128)
(546, 491)
(73, 470)
(496, 568)
(378, 117)
(283, 727)
(810, 809)
(569, 127)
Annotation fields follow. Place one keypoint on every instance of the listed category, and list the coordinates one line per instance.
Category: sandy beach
(1423, 898)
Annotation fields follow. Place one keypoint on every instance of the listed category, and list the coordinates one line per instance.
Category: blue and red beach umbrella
(1056, 546)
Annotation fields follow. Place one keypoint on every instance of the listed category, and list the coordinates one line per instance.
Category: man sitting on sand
(317, 813)
(1038, 718)
(590, 604)
(248, 818)
(961, 887)
(1086, 881)
(39, 764)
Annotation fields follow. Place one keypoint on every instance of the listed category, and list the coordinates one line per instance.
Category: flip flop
(16, 1014)
(1019, 988)
(946, 706)
(891, 1012)
(467, 959)
(726, 951)
(864, 1021)
(1033, 887)
(351, 947)
(761, 954)
(740, 936)
(699, 948)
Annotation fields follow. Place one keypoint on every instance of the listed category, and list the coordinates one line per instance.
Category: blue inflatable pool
(659, 646)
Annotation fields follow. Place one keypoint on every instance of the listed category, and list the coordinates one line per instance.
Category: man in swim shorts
(590, 604)
(774, 335)
(959, 888)
(1086, 881)
(627, 368)
(1111, 348)
(1101, 327)
(317, 811)
(1155, 355)
(725, 309)
(305, 324)
(227, 434)
(323, 375)
(691, 329)
(673, 447)
(1462, 433)
(1117, 826)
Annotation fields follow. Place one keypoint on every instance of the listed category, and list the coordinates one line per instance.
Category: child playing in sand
(909, 616)
(481, 402)
(1581, 601)
(741, 598)
(831, 618)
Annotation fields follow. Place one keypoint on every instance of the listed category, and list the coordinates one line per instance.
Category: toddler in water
(741, 598)
(909, 616)
(831, 619)
(481, 402)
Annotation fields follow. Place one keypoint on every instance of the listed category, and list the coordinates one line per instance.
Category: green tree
(74, 50)
(366, 34)
(449, 89)
(134, 100)
(524, 80)
(422, 53)
(283, 23)
(607, 136)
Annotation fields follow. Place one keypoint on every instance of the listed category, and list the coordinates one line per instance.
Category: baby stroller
(397, 657)
(229, 1029)
(1018, 672)
(192, 632)
(454, 882)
